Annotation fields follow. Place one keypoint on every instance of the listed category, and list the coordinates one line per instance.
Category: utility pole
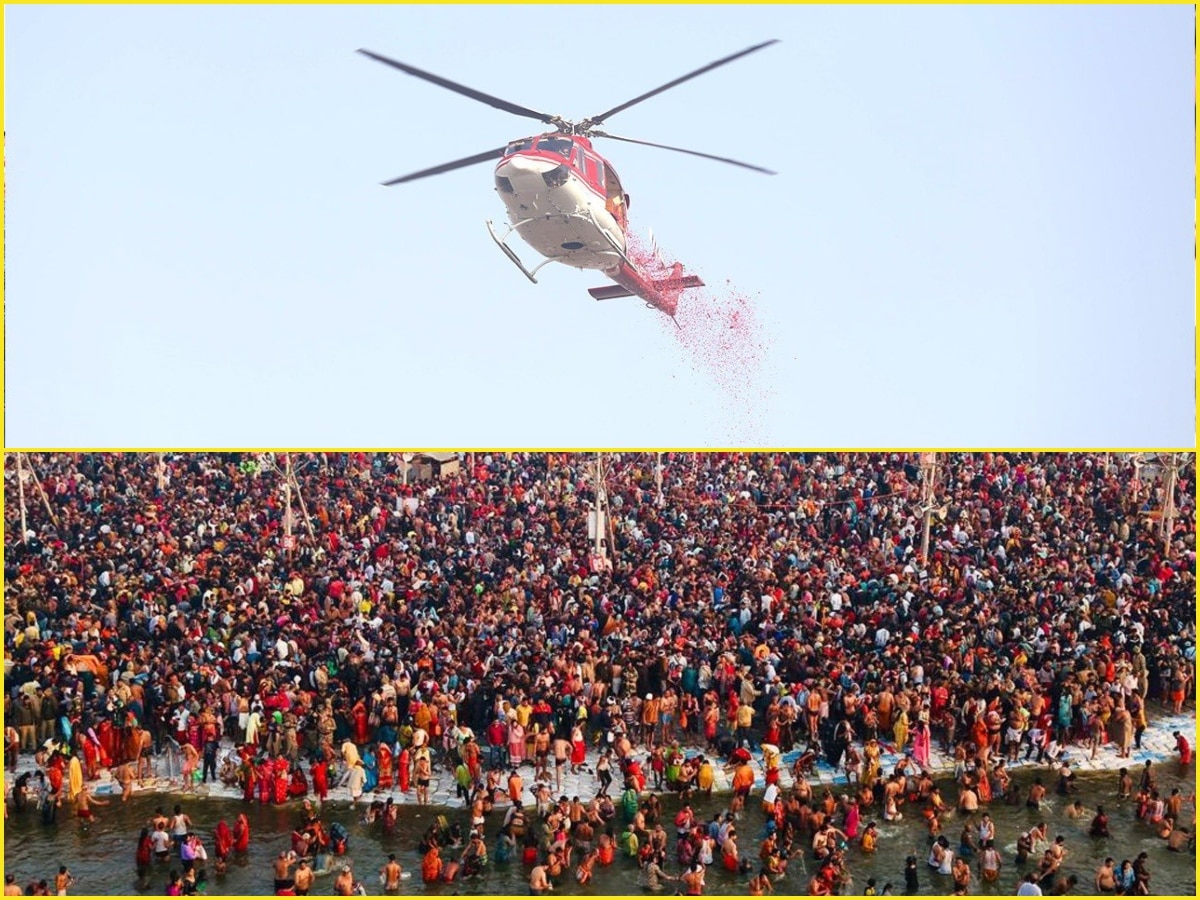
(1168, 515)
(600, 512)
(658, 477)
(21, 494)
(928, 476)
(41, 492)
(288, 540)
(300, 496)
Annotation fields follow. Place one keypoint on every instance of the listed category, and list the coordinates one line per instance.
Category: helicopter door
(617, 201)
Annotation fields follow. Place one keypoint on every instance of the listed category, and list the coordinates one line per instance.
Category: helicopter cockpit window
(556, 145)
(518, 146)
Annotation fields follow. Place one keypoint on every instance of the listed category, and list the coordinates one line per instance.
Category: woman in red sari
(91, 756)
(108, 738)
(266, 781)
(55, 770)
(635, 772)
(250, 775)
(282, 780)
(241, 834)
(359, 714)
(223, 842)
(772, 733)
(298, 786)
(404, 773)
(384, 756)
(320, 778)
(578, 748)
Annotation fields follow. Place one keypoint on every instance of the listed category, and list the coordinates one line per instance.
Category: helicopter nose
(520, 169)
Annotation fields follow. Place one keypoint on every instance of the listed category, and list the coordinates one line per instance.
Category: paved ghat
(1158, 746)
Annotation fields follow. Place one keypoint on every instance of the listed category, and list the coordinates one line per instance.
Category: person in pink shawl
(920, 744)
(516, 743)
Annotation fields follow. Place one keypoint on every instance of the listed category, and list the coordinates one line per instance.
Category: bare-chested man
(303, 880)
(1106, 878)
(391, 874)
(283, 871)
(343, 886)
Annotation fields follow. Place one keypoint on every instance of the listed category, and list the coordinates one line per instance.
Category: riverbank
(1158, 746)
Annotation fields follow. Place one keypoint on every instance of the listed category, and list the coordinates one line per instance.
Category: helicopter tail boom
(661, 293)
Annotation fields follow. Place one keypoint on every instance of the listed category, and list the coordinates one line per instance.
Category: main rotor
(583, 128)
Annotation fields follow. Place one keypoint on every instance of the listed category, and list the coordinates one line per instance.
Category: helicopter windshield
(558, 145)
(518, 146)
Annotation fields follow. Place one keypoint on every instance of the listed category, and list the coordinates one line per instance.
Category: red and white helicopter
(565, 200)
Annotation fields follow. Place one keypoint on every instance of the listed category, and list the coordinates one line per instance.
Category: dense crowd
(466, 622)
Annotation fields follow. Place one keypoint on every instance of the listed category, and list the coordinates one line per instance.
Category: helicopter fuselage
(566, 202)
(563, 200)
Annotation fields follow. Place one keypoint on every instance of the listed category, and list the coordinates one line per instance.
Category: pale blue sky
(981, 233)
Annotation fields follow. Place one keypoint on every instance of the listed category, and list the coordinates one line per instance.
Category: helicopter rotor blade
(448, 167)
(724, 159)
(495, 102)
(596, 120)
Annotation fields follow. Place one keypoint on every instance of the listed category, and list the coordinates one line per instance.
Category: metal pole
(1168, 517)
(21, 494)
(658, 478)
(41, 493)
(287, 500)
(303, 507)
(599, 528)
(929, 467)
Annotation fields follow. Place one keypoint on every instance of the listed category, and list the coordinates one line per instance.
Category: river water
(102, 857)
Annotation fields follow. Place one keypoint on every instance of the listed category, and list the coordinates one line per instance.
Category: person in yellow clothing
(524, 712)
(771, 756)
(745, 718)
(423, 716)
(74, 778)
(869, 838)
(705, 776)
(900, 730)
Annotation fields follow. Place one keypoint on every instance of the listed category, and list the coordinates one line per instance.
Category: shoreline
(1158, 746)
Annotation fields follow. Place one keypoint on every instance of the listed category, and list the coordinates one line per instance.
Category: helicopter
(565, 200)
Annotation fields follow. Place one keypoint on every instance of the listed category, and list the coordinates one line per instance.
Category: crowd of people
(357, 628)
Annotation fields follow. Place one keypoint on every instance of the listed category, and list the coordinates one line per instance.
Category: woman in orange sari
(984, 789)
(431, 866)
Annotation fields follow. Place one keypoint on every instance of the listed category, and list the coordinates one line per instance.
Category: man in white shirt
(162, 844)
(1029, 887)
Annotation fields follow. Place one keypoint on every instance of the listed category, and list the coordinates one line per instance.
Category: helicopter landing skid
(508, 251)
